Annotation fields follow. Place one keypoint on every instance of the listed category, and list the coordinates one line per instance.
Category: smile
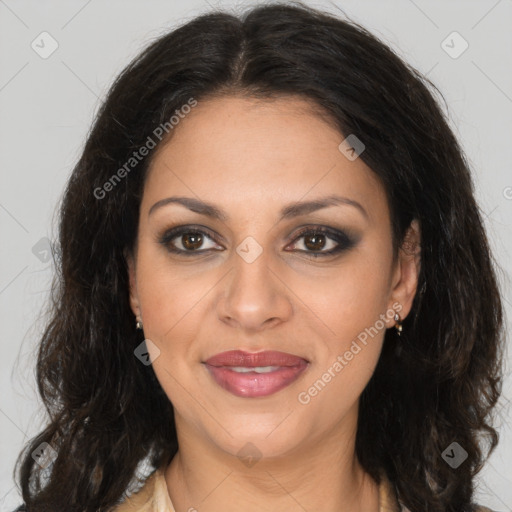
(253, 375)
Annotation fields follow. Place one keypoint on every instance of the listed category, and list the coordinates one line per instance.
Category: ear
(407, 271)
(134, 299)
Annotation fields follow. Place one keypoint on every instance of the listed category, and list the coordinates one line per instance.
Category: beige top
(153, 497)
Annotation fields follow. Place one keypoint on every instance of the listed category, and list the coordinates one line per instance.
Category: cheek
(172, 316)
(348, 299)
(352, 306)
(169, 296)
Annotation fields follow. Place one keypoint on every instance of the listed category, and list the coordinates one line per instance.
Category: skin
(251, 158)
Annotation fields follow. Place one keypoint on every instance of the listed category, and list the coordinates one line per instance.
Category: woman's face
(252, 281)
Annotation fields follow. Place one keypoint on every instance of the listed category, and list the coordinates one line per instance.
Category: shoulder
(151, 496)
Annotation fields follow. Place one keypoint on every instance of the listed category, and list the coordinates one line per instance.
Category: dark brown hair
(107, 411)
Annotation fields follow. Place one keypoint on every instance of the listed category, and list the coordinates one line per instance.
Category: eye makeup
(192, 237)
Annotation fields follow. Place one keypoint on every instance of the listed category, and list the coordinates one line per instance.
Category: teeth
(257, 369)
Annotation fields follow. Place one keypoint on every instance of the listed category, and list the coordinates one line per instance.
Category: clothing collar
(154, 497)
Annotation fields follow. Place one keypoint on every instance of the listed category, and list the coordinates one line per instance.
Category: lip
(250, 383)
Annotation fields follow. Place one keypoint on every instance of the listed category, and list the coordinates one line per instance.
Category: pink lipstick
(257, 374)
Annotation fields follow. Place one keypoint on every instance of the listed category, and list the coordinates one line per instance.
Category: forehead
(248, 151)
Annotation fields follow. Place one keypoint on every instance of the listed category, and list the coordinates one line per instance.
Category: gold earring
(138, 324)
(398, 324)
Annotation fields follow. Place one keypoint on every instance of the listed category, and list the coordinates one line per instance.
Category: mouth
(258, 374)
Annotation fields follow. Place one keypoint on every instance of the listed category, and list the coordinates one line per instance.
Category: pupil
(316, 244)
(189, 243)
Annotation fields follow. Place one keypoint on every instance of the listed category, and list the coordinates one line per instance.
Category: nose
(254, 296)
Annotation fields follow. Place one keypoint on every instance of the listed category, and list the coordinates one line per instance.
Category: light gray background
(47, 106)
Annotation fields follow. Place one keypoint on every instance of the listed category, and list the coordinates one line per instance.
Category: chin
(252, 437)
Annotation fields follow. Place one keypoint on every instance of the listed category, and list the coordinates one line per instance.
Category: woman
(275, 288)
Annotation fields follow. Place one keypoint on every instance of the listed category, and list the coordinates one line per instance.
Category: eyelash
(344, 241)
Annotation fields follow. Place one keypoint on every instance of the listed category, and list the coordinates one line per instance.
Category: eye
(188, 240)
(322, 241)
(318, 241)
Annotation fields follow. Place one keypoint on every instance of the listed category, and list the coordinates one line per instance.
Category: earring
(138, 324)
(398, 324)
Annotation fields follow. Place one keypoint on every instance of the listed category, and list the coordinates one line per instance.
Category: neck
(323, 474)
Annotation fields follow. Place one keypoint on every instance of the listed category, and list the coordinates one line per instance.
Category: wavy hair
(437, 383)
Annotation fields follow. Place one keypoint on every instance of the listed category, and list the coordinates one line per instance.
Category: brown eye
(192, 240)
(321, 241)
(315, 242)
(187, 241)
(318, 241)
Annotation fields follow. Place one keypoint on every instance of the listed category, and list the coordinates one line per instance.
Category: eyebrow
(289, 211)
